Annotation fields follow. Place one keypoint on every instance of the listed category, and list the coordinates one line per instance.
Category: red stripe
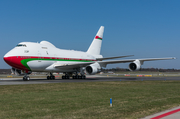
(166, 114)
(98, 37)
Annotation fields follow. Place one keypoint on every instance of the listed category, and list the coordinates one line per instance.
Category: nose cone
(14, 61)
(7, 59)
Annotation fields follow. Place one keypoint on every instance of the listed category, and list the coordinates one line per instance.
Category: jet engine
(136, 65)
(93, 68)
(19, 72)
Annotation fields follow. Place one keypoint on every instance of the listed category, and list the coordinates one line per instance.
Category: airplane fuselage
(27, 57)
(42, 56)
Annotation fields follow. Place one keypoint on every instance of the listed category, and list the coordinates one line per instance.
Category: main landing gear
(79, 77)
(74, 76)
(51, 77)
(66, 76)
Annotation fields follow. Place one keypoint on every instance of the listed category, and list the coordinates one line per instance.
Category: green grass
(131, 99)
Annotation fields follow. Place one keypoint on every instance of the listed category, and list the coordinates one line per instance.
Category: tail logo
(97, 37)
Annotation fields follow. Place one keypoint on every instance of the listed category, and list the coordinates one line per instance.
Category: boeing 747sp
(28, 57)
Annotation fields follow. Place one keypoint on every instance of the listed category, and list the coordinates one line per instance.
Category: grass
(131, 100)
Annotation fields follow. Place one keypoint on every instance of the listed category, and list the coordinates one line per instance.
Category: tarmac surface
(93, 78)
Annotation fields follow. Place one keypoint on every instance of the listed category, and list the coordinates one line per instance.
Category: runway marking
(166, 114)
(91, 77)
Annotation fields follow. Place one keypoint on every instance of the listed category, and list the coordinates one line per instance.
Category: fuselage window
(44, 47)
(21, 45)
(26, 51)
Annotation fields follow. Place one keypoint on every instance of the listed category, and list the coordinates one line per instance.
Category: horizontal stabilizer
(106, 58)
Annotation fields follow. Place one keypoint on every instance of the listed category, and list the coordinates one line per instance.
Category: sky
(143, 28)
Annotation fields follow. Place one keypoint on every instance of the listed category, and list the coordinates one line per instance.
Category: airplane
(28, 57)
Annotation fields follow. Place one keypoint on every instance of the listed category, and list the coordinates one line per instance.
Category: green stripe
(25, 61)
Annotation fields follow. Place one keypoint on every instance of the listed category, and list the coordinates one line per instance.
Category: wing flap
(106, 58)
(72, 65)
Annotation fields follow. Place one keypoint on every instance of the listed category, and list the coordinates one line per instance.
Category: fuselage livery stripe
(23, 60)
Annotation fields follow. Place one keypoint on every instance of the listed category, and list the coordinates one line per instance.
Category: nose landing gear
(25, 73)
(26, 78)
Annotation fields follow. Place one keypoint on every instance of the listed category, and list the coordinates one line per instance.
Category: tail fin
(95, 46)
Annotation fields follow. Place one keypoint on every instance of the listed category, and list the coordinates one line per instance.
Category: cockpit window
(21, 45)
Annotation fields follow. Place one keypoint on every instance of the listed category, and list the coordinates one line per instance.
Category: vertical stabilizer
(95, 46)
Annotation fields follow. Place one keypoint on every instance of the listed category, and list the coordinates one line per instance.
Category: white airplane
(28, 57)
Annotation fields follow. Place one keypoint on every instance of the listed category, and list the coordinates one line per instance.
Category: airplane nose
(7, 59)
(14, 61)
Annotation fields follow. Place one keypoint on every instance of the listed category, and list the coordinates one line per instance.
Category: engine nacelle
(136, 65)
(93, 68)
(19, 72)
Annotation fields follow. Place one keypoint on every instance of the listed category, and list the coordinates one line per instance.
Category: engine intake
(93, 68)
(136, 65)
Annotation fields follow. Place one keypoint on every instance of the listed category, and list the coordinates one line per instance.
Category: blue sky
(144, 28)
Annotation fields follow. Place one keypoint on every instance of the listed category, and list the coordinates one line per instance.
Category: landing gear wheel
(26, 78)
(52, 77)
(65, 77)
(79, 77)
(83, 77)
(75, 77)
(48, 77)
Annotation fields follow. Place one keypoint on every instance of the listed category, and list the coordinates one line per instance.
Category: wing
(72, 65)
(132, 60)
(104, 63)
(100, 59)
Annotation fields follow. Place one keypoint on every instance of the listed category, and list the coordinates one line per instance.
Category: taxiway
(19, 81)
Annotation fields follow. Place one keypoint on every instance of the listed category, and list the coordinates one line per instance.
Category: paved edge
(163, 113)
